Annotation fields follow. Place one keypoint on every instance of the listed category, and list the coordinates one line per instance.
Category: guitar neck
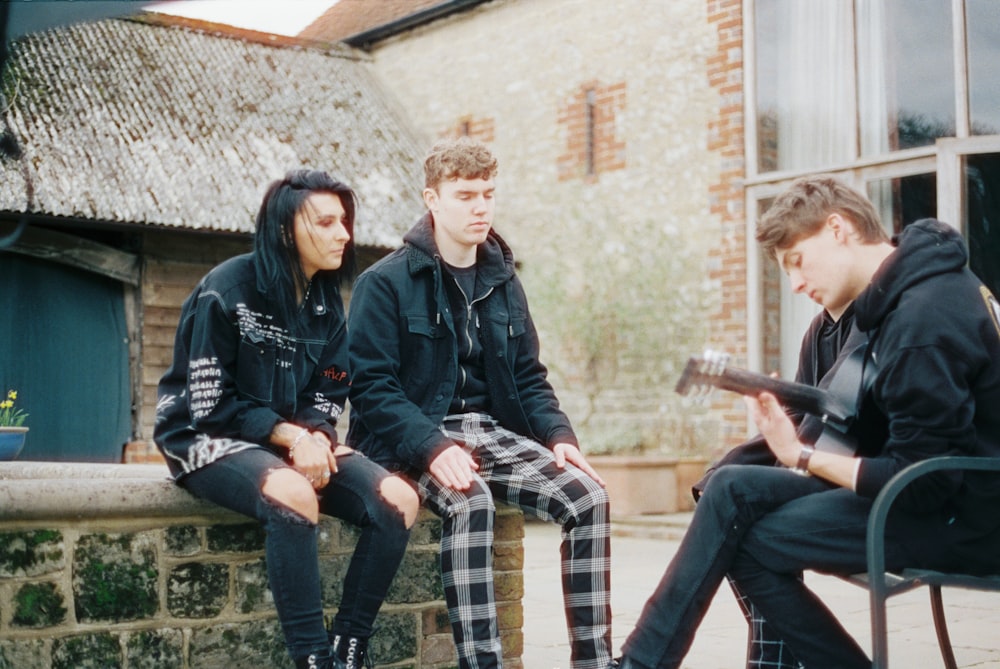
(798, 396)
(795, 395)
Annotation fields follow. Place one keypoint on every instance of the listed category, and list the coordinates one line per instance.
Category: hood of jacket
(494, 259)
(924, 249)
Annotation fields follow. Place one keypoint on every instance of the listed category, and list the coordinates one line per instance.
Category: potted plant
(12, 430)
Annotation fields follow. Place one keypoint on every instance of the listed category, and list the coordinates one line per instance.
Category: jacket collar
(494, 259)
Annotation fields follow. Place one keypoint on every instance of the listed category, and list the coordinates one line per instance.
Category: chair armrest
(875, 539)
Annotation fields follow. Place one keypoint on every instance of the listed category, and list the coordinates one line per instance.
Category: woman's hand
(310, 452)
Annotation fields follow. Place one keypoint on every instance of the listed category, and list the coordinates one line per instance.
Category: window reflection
(903, 200)
(906, 84)
(983, 23)
(804, 80)
(982, 192)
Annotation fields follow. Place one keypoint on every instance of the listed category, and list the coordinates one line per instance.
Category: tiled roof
(143, 121)
(350, 17)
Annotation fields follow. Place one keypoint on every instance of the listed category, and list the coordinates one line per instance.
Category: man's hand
(779, 431)
(453, 468)
(775, 426)
(569, 453)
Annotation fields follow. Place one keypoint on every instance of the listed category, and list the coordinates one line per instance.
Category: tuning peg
(714, 362)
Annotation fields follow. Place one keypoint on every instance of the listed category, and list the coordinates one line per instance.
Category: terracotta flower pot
(648, 484)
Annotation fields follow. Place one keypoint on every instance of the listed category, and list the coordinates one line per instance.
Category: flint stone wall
(113, 566)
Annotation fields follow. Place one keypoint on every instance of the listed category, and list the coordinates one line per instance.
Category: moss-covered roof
(140, 121)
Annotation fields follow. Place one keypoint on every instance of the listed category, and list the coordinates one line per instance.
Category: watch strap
(802, 466)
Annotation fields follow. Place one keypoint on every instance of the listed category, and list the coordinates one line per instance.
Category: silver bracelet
(295, 442)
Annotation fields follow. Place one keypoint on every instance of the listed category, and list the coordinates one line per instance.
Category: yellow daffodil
(9, 416)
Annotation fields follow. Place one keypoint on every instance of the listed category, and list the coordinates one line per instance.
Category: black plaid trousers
(764, 649)
(519, 471)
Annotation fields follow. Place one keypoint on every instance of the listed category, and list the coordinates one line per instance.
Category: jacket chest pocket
(424, 328)
(516, 327)
(425, 340)
(508, 330)
(256, 367)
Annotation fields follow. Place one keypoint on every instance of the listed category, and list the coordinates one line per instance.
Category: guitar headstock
(701, 371)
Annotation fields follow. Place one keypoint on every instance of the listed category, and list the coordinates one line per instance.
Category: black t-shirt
(471, 389)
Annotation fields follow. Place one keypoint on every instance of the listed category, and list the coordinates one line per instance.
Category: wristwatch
(802, 466)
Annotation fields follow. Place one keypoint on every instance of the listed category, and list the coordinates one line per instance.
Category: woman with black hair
(247, 413)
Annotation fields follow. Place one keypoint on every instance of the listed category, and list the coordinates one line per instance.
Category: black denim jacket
(238, 369)
(404, 354)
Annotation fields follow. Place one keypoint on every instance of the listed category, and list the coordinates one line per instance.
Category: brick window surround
(476, 128)
(588, 117)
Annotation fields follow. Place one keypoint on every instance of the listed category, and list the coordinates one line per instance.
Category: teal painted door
(64, 349)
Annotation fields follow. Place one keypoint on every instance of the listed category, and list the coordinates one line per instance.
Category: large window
(876, 92)
(839, 80)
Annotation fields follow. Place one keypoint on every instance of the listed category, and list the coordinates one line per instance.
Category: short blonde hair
(462, 158)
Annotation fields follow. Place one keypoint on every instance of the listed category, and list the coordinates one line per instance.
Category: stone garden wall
(113, 566)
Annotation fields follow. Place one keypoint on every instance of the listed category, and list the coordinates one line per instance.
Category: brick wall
(106, 566)
(728, 260)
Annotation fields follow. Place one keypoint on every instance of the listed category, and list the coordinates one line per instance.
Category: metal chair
(882, 585)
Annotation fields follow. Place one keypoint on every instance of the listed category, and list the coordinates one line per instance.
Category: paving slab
(641, 549)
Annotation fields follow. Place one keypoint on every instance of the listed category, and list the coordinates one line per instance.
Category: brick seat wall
(110, 566)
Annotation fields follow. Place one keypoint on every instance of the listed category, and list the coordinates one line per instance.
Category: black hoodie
(936, 343)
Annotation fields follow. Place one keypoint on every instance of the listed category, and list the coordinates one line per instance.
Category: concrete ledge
(39, 491)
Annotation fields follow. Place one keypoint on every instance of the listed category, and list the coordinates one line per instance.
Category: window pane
(786, 315)
(983, 21)
(804, 65)
(982, 193)
(906, 84)
(902, 200)
(771, 302)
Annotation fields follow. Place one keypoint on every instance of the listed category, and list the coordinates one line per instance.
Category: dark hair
(279, 271)
(802, 209)
(460, 158)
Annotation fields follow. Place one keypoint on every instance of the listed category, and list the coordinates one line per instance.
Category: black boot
(325, 659)
(352, 651)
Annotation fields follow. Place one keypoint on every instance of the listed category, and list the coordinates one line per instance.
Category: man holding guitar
(932, 387)
(830, 363)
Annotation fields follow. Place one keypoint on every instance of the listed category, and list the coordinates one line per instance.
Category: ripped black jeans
(235, 482)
